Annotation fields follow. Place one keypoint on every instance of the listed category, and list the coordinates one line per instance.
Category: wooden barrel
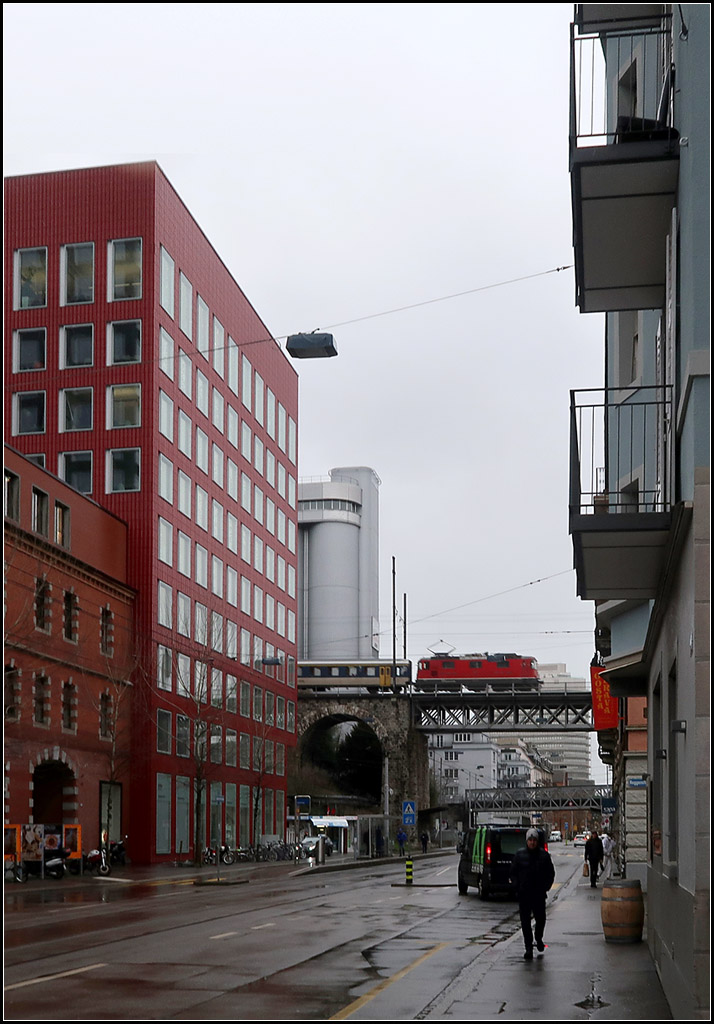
(622, 910)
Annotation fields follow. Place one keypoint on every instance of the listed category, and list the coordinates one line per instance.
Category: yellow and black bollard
(410, 871)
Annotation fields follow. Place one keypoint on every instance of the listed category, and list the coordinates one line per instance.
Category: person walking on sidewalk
(594, 855)
(608, 848)
(533, 874)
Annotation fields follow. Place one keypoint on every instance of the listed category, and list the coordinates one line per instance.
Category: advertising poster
(605, 712)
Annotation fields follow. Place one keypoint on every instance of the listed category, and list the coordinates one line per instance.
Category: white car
(580, 840)
(555, 836)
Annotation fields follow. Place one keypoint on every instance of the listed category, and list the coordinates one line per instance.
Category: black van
(487, 855)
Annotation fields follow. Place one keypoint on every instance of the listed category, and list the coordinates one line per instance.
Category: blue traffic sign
(408, 812)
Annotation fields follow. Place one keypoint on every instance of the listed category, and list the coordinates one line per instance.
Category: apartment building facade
(139, 373)
(639, 501)
(68, 642)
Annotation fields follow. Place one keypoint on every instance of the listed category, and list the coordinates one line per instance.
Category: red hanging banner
(605, 711)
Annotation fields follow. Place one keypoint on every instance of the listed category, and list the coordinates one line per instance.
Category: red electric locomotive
(477, 672)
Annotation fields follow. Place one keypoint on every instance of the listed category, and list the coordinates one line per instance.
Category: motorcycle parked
(97, 860)
(54, 865)
(210, 854)
(117, 851)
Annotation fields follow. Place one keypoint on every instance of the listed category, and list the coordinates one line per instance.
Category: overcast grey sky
(348, 159)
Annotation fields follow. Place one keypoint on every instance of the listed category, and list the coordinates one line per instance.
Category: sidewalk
(579, 977)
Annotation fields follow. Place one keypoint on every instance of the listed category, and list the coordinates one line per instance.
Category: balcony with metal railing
(620, 510)
(624, 154)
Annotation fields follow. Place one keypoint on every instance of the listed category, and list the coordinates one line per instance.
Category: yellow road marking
(347, 1011)
(53, 977)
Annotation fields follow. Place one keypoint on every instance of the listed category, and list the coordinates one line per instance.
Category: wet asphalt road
(286, 945)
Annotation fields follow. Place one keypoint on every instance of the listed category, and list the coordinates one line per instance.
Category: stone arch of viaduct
(389, 718)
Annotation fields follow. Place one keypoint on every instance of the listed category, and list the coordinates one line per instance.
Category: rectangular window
(41, 701)
(166, 416)
(124, 342)
(292, 440)
(203, 324)
(245, 699)
(40, 512)
(200, 682)
(165, 605)
(106, 631)
(201, 508)
(270, 413)
(246, 440)
(166, 537)
(216, 688)
(202, 393)
(183, 736)
(202, 450)
(166, 479)
(232, 479)
(232, 426)
(258, 455)
(259, 399)
(183, 615)
(75, 468)
(217, 409)
(42, 604)
(217, 520)
(231, 586)
(233, 355)
(183, 675)
(200, 632)
(231, 748)
(77, 274)
(231, 533)
(185, 431)
(185, 305)
(217, 465)
(247, 388)
(167, 282)
(219, 343)
(30, 278)
(76, 346)
(124, 269)
(163, 667)
(244, 750)
(217, 632)
(123, 406)
(29, 412)
(201, 563)
(166, 353)
(216, 576)
(163, 731)
(69, 719)
(183, 562)
(123, 470)
(185, 369)
(62, 523)
(75, 409)
(231, 694)
(30, 350)
(184, 493)
(245, 543)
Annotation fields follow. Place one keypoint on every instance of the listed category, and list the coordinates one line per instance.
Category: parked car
(555, 836)
(487, 853)
(309, 845)
(581, 839)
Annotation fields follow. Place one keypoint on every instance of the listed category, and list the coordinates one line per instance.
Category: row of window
(42, 610)
(213, 343)
(173, 736)
(230, 808)
(220, 633)
(76, 409)
(76, 346)
(193, 680)
(77, 273)
(41, 709)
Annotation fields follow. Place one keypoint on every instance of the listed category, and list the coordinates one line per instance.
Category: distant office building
(338, 565)
(569, 751)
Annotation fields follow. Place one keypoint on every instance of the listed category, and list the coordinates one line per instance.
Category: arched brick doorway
(53, 794)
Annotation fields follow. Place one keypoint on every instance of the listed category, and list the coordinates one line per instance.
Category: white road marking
(257, 927)
(223, 935)
(53, 977)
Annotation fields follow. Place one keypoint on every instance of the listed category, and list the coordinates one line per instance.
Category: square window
(124, 406)
(124, 342)
(30, 278)
(29, 408)
(30, 350)
(124, 267)
(75, 468)
(75, 409)
(123, 470)
(76, 346)
(77, 273)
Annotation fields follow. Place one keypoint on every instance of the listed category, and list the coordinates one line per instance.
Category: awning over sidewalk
(329, 821)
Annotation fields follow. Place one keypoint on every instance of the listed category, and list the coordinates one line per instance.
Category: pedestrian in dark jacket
(594, 854)
(533, 874)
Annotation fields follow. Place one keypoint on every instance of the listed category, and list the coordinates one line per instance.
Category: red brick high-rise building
(138, 372)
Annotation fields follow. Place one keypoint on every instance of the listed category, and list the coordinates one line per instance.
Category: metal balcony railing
(620, 450)
(621, 81)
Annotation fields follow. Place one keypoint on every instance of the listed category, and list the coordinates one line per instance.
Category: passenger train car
(374, 676)
(477, 673)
